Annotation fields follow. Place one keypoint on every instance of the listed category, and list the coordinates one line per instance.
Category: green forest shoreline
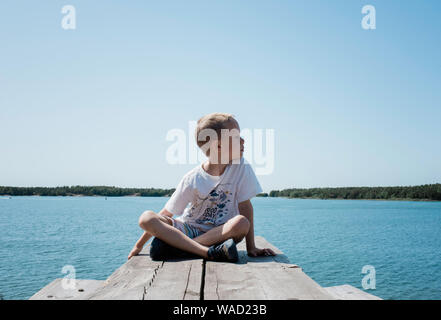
(103, 191)
(367, 199)
(428, 192)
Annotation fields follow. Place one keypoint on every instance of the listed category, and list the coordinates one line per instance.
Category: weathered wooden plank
(129, 282)
(259, 281)
(290, 284)
(177, 280)
(55, 291)
(142, 278)
(194, 284)
(251, 278)
(228, 281)
(348, 292)
(254, 278)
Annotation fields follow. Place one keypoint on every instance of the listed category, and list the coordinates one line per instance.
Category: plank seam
(201, 290)
(149, 284)
(217, 286)
(188, 280)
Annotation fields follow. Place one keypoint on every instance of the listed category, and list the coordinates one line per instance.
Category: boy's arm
(144, 238)
(246, 209)
(139, 244)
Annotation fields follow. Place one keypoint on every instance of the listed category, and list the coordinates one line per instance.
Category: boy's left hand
(135, 251)
(255, 252)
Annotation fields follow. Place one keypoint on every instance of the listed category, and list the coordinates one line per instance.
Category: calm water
(331, 239)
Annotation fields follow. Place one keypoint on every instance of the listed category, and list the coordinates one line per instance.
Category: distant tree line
(424, 192)
(85, 191)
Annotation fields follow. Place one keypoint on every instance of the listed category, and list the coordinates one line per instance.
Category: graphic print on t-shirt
(215, 206)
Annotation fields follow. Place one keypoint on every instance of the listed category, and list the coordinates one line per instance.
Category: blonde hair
(214, 121)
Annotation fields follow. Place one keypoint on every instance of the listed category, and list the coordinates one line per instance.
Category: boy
(219, 191)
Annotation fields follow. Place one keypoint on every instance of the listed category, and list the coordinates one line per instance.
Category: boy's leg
(236, 228)
(160, 227)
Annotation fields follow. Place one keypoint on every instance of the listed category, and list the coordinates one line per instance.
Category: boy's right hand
(134, 252)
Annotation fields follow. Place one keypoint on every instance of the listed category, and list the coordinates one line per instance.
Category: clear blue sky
(92, 106)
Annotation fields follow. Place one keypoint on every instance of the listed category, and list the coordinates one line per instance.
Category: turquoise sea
(330, 239)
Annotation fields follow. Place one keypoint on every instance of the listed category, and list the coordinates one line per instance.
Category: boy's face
(234, 150)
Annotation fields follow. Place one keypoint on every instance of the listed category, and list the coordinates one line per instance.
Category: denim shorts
(190, 231)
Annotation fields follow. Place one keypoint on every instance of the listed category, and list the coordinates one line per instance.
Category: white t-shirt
(213, 199)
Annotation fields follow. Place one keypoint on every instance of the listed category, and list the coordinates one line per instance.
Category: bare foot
(135, 251)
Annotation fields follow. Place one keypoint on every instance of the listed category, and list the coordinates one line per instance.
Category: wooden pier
(260, 278)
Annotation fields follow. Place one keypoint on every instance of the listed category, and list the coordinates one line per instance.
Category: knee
(146, 219)
(240, 225)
